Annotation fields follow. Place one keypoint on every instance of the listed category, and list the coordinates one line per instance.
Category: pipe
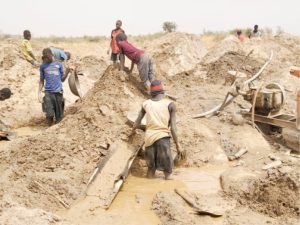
(229, 99)
(253, 105)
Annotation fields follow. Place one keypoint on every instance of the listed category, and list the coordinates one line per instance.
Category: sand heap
(63, 157)
(176, 52)
(19, 75)
(22, 79)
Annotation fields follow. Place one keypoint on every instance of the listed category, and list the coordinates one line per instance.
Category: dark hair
(157, 92)
(68, 55)
(26, 33)
(255, 26)
(239, 32)
(5, 92)
(119, 21)
(154, 93)
(121, 37)
(47, 51)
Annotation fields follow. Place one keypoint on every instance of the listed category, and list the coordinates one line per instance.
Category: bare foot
(169, 176)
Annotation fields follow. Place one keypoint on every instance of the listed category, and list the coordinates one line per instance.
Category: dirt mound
(12, 214)
(274, 194)
(228, 44)
(176, 52)
(7, 55)
(61, 159)
(172, 210)
(279, 193)
(218, 70)
(21, 78)
(23, 107)
(50, 170)
(93, 67)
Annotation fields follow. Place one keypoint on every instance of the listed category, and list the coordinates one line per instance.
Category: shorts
(53, 106)
(115, 57)
(158, 156)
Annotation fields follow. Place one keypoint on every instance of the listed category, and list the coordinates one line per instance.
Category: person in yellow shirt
(160, 124)
(26, 48)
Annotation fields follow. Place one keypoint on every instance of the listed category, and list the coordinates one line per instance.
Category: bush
(169, 26)
(279, 30)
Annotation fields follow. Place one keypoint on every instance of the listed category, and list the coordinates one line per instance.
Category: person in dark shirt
(52, 76)
(139, 57)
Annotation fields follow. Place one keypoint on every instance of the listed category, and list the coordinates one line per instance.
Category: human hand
(180, 151)
(40, 98)
(126, 69)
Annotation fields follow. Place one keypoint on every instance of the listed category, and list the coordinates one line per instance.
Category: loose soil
(44, 172)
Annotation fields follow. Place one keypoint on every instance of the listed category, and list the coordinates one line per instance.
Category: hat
(156, 86)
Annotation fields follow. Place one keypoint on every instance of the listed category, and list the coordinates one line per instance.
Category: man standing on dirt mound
(160, 116)
(137, 56)
(26, 48)
(52, 72)
(115, 51)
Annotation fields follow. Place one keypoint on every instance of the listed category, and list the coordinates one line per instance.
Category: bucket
(74, 84)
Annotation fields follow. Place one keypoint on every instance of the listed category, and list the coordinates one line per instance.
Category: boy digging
(137, 56)
(161, 121)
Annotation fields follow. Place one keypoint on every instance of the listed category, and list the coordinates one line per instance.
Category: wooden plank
(272, 121)
(109, 180)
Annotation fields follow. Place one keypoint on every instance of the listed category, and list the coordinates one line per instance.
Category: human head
(118, 24)
(68, 55)
(5, 93)
(121, 37)
(47, 55)
(156, 88)
(238, 32)
(255, 27)
(27, 34)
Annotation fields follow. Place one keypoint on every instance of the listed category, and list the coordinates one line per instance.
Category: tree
(169, 26)
(279, 30)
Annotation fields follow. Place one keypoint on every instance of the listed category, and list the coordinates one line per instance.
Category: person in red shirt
(241, 37)
(113, 44)
(138, 57)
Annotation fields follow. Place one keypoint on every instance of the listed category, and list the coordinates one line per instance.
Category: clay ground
(44, 171)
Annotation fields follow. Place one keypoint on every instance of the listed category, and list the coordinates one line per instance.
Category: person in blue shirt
(51, 77)
(60, 55)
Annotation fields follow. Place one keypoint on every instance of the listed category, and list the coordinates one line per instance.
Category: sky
(97, 17)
